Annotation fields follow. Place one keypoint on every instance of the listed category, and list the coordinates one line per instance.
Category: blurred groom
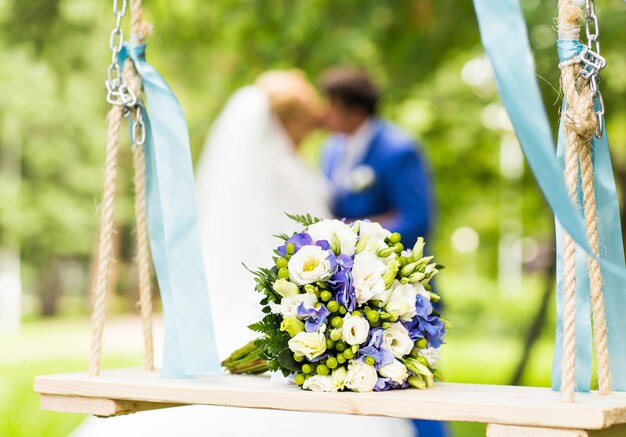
(376, 170)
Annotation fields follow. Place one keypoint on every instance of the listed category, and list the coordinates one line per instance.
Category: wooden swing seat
(509, 410)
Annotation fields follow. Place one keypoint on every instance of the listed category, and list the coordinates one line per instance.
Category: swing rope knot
(580, 125)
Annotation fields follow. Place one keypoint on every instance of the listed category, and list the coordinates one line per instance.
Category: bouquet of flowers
(346, 308)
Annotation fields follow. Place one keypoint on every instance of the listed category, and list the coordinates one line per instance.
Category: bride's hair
(293, 100)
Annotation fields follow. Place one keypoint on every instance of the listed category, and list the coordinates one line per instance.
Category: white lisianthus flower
(396, 339)
(431, 354)
(421, 290)
(285, 288)
(288, 306)
(402, 301)
(374, 235)
(339, 377)
(319, 383)
(309, 344)
(367, 276)
(335, 232)
(354, 329)
(309, 264)
(361, 377)
(396, 371)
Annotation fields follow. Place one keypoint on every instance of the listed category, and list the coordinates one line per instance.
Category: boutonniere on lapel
(360, 179)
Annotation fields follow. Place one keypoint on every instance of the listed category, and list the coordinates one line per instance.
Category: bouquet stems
(246, 359)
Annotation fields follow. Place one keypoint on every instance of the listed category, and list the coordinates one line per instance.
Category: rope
(107, 210)
(580, 126)
(139, 32)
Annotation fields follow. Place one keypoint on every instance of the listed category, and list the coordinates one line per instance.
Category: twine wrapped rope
(139, 32)
(579, 126)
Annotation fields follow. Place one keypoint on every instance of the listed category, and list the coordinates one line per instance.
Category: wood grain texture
(96, 406)
(494, 430)
(527, 406)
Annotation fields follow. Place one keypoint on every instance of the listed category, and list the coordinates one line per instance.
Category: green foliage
(273, 341)
(305, 219)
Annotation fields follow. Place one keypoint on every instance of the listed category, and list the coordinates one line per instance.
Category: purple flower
(430, 327)
(298, 240)
(323, 244)
(314, 317)
(374, 349)
(384, 384)
(341, 282)
(423, 306)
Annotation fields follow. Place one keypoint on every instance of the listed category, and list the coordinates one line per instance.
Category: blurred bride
(249, 173)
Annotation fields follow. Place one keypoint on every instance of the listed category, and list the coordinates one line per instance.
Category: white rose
(361, 377)
(367, 276)
(319, 383)
(285, 288)
(396, 371)
(374, 235)
(354, 329)
(402, 301)
(288, 306)
(396, 339)
(431, 354)
(339, 377)
(309, 265)
(309, 344)
(334, 231)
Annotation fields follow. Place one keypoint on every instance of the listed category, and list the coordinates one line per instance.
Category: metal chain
(593, 62)
(118, 91)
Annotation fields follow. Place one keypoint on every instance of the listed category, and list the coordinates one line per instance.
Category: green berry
(326, 295)
(398, 247)
(331, 363)
(357, 314)
(299, 379)
(421, 343)
(283, 273)
(336, 322)
(330, 343)
(335, 335)
(348, 354)
(369, 360)
(342, 310)
(323, 370)
(333, 306)
(395, 238)
(393, 317)
(298, 358)
(372, 316)
(290, 249)
(307, 368)
(341, 359)
(341, 346)
(281, 263)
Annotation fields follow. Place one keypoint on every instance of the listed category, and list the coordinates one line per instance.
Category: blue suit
(400, 188)
(397, 186)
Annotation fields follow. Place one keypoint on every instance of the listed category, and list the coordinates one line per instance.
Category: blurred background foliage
(493, 223)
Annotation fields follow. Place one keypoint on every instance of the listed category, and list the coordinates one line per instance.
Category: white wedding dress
(248, 175)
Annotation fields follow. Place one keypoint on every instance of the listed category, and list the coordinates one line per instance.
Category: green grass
(57, 346)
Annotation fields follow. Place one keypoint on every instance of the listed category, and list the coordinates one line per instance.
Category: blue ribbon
(189, 345)
(505, 40)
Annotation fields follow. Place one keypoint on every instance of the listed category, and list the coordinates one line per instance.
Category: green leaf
(286, 361)
(305, 220)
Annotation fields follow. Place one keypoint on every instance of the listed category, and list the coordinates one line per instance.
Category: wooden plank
(96, 406)
(529, 406)
(494, 430)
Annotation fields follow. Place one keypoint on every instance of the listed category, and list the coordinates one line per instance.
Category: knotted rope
(579, 125)
(139, 32)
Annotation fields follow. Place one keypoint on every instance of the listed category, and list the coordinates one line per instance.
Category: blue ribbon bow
(505, 40)
(189, 346)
